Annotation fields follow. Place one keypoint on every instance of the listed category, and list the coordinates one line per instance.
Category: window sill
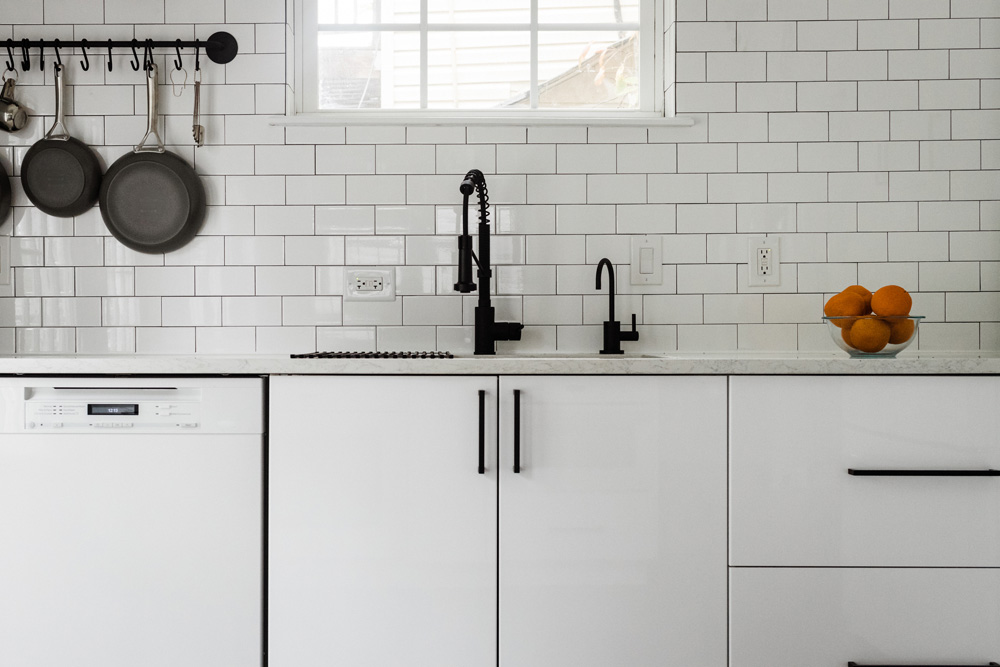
(345, 118)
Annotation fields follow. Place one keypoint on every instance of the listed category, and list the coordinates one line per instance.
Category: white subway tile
(284, 160)
(244, 311)
(415, 280)
(888, 156)
(684, 249)
(690, 67)
(526, 159)
(346, 339)
(974, 125)
(947, 155)
(254, 250)
(616, 188)
(311, 311)
(929, 64)
(826, 277)
(771, 337)
(949, 215)
(860, 126)
(734, 308)
(256, 68)
(887, 216)
(736, 66)
(586, 158)
(397, 220)
(974, 8)
(706, 279)
(314, 250)
(554, 134)
(133, 11)
(974, 184)
(767, 157)
(459, 159)
(431, 250)
(677, 188)
(557, 189)
(282, 220)
(647, 158)
(705, 337)
(706, 218)
(496, 134)
(164, 340)
(522, 280)
(726, 188)
(586, 219)
(559, 249)
(796, 187)
(285, 340)
(791, 308)
(376, 134)
(164, 281)
(971, 246)
(427, 189)
(828, 35)
(414, 338)
(856, 247)
(738, 127)
(391, 159)
(894, 34)
(361, 313)
(857, 65)
(706, 97)
(645, 219)
(57, 312)
(69, 251)
(702, 158)
(615, 248)
(772, 96)
(737, 10)
(200, 251)
(714, 36)
(772, 35)
(255, 11)
(973, 307)
(225, 340)
(990, 154)
(315, 135)
(540, 310)
(919, 9)
(861, 186)
(432, 310)
(130, 311)
(887, 95)
(821, 217)
(950, 337)
(949, 277)
(671, 309)
(431, 134)
(764, 218)
(105, 340)
(918, 246)
(224, 280)
(315, 190)
(255, 190)
(949, 33)
(201, 311)
(827, 96)
(666, 134)
(796, 66)
(949, 94)
(372, 250)
(99, 281)
(45, 341)
(918, 185)
(349, 159)
(285, 280)
(796, 10)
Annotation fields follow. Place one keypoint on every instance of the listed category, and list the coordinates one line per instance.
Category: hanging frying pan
(4, 194)
(60, 174)
(152, 200)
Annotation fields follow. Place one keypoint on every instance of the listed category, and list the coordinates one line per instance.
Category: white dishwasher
(131, 522)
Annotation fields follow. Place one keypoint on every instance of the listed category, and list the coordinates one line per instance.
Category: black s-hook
(55, 47)
(25, 58)
(178, 63)
(85, 63)
(109, 55)
(148, 56)
(10, 55)
(197, 55)
(135, 55)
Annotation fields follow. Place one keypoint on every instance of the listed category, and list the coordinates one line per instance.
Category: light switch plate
(4, 260)
(647, 260)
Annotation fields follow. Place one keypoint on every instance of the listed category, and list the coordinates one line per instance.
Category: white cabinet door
(828, 617)
(613, 534)
(793, 440)
(383, 535)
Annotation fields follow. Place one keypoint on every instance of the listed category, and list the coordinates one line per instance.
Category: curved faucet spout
(611, 284)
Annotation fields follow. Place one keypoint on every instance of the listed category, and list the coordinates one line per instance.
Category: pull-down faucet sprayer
(488, 330)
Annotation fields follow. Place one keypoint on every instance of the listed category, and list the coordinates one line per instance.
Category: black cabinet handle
(482, 431)
(922, 473)
(517, 430)
(858, 664)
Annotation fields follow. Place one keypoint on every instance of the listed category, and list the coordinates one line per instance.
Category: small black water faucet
(613, 334)
(488, 330)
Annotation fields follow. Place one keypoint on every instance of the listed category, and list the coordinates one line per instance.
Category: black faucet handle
(633, 334)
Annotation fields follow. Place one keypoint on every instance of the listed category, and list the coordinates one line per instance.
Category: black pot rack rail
(220, 47)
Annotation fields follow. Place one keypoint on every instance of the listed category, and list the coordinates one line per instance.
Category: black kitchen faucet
(613, 334)
(488, 330)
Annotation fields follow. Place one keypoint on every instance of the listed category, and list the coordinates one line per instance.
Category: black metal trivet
(374, 355)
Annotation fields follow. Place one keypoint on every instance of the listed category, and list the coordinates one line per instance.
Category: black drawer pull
(517, 430)
(922, 473)
(482, 432)
(858, 664)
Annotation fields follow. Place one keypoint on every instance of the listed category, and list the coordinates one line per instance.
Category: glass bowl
(840, 331)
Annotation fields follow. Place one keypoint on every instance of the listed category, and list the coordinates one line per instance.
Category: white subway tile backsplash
(949, 215)
(251, 311)
(165, 340)
(285, 280)
(224, 280)
(202, 311)
(887, 216)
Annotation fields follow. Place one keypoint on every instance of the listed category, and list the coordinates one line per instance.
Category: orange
(845, 303)
(870, 334)
(891, 300)
(865, 294)
(845, 333)
(900, 330)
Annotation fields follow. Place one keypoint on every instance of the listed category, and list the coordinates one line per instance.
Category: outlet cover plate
(764, 261)
(359, 281)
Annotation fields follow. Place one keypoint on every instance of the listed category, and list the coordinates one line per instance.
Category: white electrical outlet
(647, 260)
(369, 284)
(4, 260)
(764, 268)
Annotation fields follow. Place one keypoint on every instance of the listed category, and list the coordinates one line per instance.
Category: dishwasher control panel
(115, 410)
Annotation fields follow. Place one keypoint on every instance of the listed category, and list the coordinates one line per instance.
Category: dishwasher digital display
(113, 409)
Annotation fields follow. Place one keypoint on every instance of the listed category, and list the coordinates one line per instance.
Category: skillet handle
(58, 129)
(152, 116)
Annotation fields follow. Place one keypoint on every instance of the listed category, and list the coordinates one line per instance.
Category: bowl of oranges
(866, 324)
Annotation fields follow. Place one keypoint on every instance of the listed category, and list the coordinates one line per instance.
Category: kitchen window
(469, 61)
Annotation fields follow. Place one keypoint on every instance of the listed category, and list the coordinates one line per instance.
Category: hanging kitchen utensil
(12, 115)
(60, 174)
(197, 129)
(152, 200)
(5, 194)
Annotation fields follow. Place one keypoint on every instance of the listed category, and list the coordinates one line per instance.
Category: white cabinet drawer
(827, 617)
(793, 440)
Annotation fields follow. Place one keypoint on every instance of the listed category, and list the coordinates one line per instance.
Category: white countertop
(523, 364)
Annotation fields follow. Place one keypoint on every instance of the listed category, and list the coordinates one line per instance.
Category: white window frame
(653, 89)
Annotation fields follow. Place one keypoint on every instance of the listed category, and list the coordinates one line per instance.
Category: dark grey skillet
(4, 194)
(60, 174)
(152, 200)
